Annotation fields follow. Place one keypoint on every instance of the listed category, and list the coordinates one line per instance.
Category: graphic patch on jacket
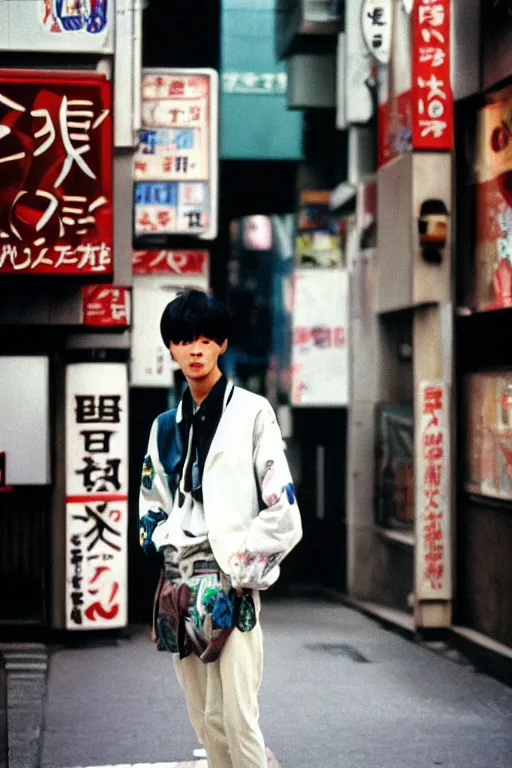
(148, 473)
(271, 488)
(251, 567)
(148, 523)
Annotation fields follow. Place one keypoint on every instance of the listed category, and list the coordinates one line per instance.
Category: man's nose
(196, 349)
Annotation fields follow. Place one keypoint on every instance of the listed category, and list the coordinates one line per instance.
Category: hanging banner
(376, 23)
(432, 126)
(170, 263)
(433, 505)
(319, 338)
(151, 362)
(96, 496)
(106, 306)
(175, 166)
(394, 473)
(73, 26)
(56, 166)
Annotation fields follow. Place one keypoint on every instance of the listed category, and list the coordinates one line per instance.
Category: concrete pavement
(339, 691)
(26, 667)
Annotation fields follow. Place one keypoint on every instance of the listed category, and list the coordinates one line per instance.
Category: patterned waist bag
(196, 609)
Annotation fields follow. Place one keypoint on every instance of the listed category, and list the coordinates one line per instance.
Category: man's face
(198, 358)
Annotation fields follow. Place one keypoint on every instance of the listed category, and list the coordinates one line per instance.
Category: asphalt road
(339, 691)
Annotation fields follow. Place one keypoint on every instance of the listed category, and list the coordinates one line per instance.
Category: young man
(217, 500)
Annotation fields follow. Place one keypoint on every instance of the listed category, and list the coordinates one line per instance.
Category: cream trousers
(222, 700)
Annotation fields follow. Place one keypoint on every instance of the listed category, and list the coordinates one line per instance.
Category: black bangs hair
(193, 314)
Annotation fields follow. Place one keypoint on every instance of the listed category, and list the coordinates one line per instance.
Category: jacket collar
(223, 384)
(226, 431)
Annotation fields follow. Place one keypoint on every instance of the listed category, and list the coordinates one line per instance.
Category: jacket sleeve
(155, 498)
(277, 528)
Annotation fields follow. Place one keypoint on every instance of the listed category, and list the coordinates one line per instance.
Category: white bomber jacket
(250, 508)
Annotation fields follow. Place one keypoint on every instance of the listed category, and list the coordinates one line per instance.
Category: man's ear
(170, 350)
(223, 347)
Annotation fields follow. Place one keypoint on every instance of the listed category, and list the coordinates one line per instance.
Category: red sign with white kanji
(432, 126)
(56, 170)
(106, 306)
(170, 263)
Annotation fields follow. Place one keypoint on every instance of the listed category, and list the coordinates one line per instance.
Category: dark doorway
(143, 570)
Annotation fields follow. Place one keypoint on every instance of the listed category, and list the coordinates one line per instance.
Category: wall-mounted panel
(414, 242)
(176, 163)
(25, 420)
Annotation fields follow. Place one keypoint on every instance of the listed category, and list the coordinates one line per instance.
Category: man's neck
(202, 388)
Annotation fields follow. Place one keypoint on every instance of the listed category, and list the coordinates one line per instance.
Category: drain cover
(345, 651)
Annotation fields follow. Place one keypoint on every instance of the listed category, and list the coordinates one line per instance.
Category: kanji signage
(96, 495)
(255, 82)
(433, 493)
(106, 305)
(175, 166)
(56, 165)
(376, 22)
(432, 126)
(319, 338)
(170, 263)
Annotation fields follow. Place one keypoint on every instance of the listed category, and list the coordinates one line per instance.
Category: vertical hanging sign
(96, 495)
(432, 93)
(433, 505)
(176, 161)
(376, 19)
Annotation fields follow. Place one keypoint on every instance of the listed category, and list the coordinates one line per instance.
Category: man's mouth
(196, 365)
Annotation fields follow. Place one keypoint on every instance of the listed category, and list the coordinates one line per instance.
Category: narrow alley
(339, 690)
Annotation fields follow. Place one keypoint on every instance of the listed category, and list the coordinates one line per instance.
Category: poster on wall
(433, 505)
(96, 496)
(151, 364)
(56, 166)
(320, 239)
(493, 172)
(489, 434)
(72, 26)
(394, 474)
(319, 338)
(175, 166)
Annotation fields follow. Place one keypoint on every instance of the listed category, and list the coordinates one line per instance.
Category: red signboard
(432, 126)
(56, 171)
(170, 263)
(106, 305)
(394, 127)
